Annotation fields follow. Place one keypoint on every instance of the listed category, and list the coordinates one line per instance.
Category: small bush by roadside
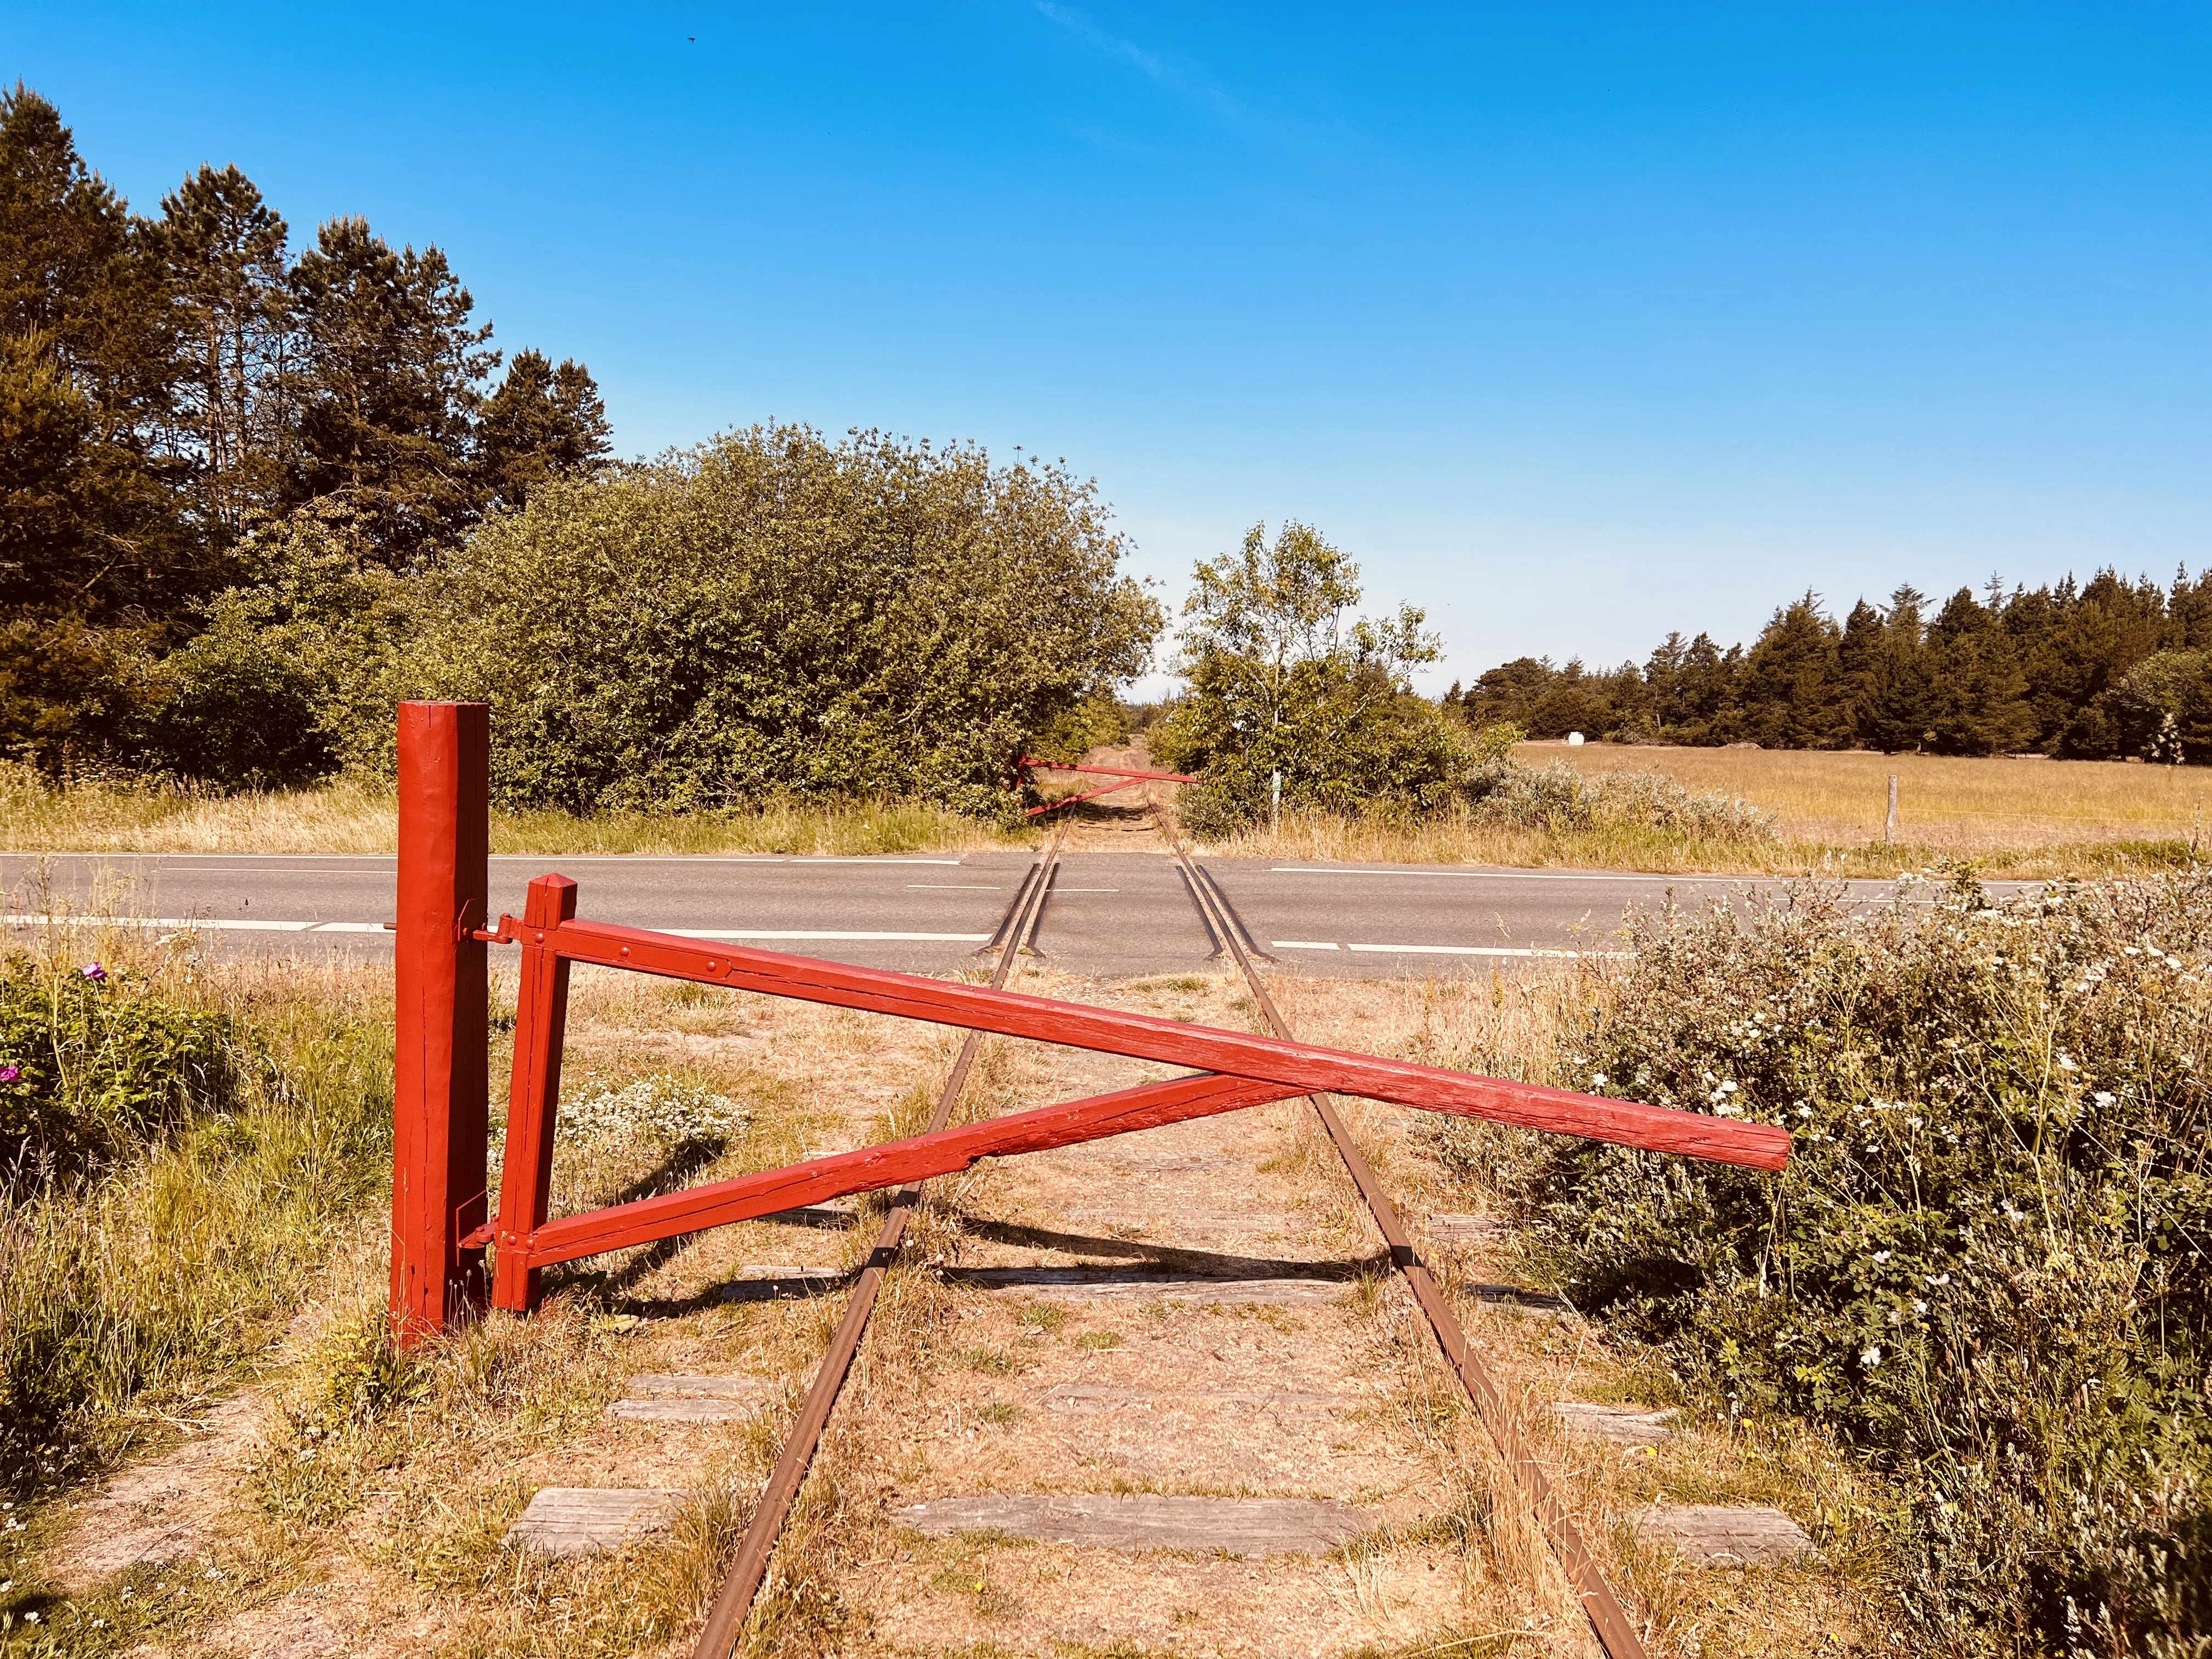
(1986, 1268)
(186, 1145)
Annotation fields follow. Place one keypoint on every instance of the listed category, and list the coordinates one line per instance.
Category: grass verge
(352, 816)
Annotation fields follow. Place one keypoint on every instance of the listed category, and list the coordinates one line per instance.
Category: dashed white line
(1501, 875)
(952, 887)
(1440, 950)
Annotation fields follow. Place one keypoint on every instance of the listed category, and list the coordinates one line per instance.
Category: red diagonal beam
(1070, 800)
(1301, 1067)
(945, 1152)
(1110, 771)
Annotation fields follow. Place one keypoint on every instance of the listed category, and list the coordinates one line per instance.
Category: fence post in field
(439, 1085)
(1889, 827)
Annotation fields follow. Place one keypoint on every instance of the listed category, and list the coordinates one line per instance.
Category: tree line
(2102, 670)
(174, 386)
(249, 496)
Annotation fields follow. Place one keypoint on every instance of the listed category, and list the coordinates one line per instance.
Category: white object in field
(1575, 739)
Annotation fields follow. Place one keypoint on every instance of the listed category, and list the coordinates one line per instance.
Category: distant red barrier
(1028, 763)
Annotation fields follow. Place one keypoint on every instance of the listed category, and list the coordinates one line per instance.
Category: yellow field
(1954, 806)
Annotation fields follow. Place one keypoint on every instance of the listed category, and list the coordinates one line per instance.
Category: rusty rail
(1609, 1620)
(749, 1569)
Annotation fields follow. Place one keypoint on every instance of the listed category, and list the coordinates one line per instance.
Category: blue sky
(1574, 323)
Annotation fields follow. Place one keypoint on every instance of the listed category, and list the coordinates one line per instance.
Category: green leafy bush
(293, 677)
(773, 615)
(90, 1066)
(1985, 1268)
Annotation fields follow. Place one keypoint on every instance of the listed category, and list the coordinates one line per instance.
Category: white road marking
(195, 924)
(864, 857)
(1501, 875)
(1481, 950)
(538, 859)
(950, 887)
(1086, 889)
(1438, 950)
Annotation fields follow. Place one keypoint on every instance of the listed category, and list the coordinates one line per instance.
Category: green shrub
(232, 1152)
(1985, 1268)
(1560, 799)
(770, 615)
(90, 1065)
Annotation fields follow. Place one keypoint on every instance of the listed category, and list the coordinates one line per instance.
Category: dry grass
(1975, 808)
(352, 816)
(2025, 819)
(371, 1521)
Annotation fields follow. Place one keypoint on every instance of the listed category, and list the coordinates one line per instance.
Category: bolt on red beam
(1307, 1069)
(439, 1104)
(945, 1152)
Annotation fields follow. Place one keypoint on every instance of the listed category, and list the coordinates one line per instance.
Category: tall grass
(356, 816)
(135, 1283)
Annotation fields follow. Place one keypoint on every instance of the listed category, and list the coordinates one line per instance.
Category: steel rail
(1609, 1620)
(725, 1618)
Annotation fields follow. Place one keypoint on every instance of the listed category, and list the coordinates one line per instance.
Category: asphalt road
(1111, 914)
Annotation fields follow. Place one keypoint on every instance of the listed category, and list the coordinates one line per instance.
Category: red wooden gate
(440, 1230)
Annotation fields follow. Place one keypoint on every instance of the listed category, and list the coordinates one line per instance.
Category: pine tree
(2074, 667)
(542, 422)
(1858, 672)
(1979, 694)
(1793, 696)
(224, 248)
(388, 383)
(83, 312)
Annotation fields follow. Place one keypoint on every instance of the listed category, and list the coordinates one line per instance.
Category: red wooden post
(541, 1018)
(438, 1086)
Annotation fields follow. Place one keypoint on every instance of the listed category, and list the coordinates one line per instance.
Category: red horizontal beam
(945, 1152)
(1109, 771)
(1300, 1067)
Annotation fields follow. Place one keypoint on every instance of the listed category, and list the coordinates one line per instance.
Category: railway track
(726, 1623)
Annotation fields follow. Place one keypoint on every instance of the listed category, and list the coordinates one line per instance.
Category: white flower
(1914, 1121)
(1728, 1088)
(2065, 1063)
(1870, 1357)
(1804, 1110)
(658, 1110)
(1881, 1255)
(1598, 1080)
(2102, 1098)
(1919, 1307)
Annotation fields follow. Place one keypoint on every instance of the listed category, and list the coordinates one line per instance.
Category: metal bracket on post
(440, 1120)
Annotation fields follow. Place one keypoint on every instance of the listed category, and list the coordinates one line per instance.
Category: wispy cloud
(1156, 67)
